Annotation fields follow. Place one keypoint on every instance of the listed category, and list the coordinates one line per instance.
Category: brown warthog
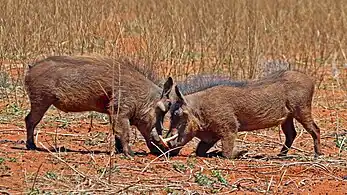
(82, 83)
(218, 113)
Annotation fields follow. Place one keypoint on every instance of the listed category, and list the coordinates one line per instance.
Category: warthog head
(163, 105)
(183, 123)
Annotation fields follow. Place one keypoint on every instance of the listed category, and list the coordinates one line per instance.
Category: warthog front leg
(122, 136)
(290, 133)
(203, 147)
(118, 143)
(228, 144)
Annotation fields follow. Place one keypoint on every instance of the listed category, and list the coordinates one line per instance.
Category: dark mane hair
(200, 82)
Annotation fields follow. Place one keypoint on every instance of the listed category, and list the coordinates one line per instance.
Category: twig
(269, 186)
(37, 172)
(308, 163)
(56, 138)
(56, 182)
(143, 170)
(65, 134)
(37, 135)
(9, 130)
(342, 144)
(162, 152)
(91, 121)
(4, 192)
(75, 170)
(281, 179)
(244, 179)
(129, 186)
(272, 140)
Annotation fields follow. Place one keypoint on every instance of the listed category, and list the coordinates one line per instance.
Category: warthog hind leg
(305, 118)
(37, 110)
(290, 134)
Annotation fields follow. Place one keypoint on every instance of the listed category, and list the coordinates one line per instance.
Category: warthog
(84, 83)
(218, 113)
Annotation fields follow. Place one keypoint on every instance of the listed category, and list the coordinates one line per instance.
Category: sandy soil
(73, 157)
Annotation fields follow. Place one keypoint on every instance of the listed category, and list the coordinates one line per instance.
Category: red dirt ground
(81, 165)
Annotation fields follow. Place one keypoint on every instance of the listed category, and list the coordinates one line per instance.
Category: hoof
(130, 153)
(241, 153)
(118, 146)
(156, 148)
(31, 146)
(155, 151)
(238, 154)
(174, 152)
(317, 155)
(282, 154)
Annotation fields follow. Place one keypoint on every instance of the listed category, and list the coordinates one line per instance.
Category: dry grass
(179, 38)
(231, 36)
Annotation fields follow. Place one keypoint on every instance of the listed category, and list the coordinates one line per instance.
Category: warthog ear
(180, 95)
(167, 87)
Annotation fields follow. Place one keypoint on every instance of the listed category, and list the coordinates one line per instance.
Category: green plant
(63, 123)
(170, 191)
(203, 180)
(12, 159)
(191, 163)
(14, 109)
(219, 176)
(2, 160)
(105, 170)
(179, 167)
(51, 175)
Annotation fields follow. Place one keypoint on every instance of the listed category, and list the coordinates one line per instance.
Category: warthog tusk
(161, 106)
(164, 141)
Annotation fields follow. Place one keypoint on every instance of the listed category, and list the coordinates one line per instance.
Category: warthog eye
(178, 112)
(169, 104)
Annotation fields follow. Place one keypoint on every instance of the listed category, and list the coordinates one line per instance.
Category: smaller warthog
(218, 113)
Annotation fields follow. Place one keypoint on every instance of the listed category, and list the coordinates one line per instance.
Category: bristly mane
(145, 70)
(200, 82)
